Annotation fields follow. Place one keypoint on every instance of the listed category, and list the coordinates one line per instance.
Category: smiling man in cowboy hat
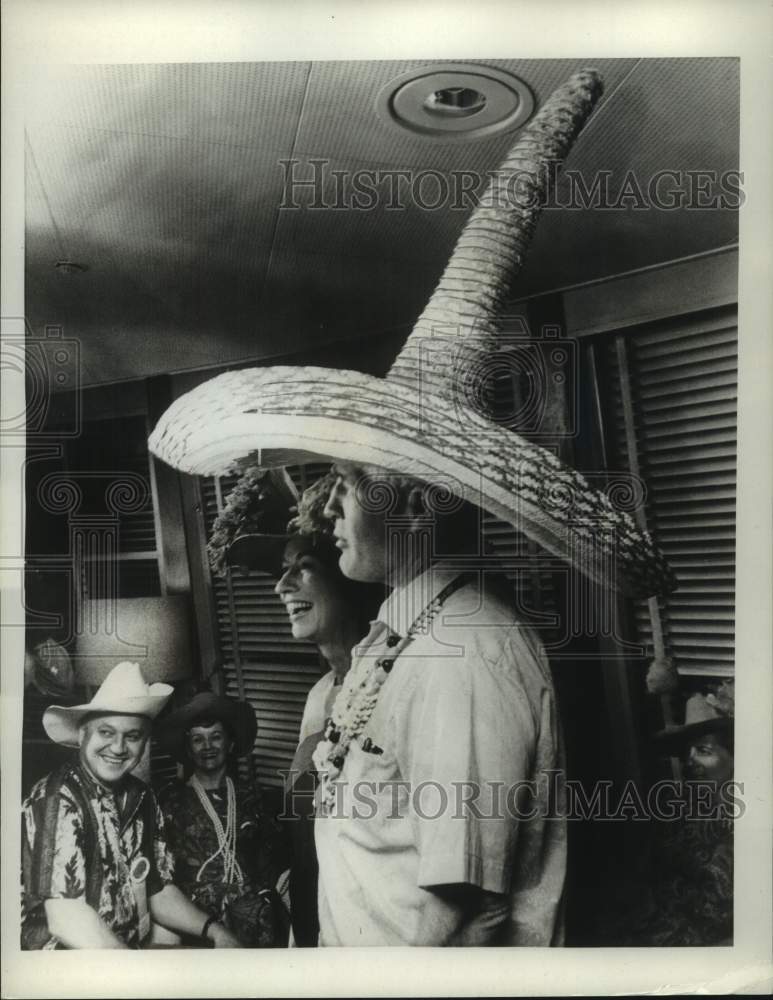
(95, 866)
(483, 710)
(227, 851)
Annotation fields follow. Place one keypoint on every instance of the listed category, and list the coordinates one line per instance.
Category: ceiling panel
(684, 109)
(236, 104)
(167, 182)
(383, 220)
(118, 295)
(333, 296)
(588, 249)
(669, 115)
(339, 118)
(154, 193)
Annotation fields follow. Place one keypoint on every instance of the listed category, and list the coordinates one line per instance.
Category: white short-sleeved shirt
(319, 704)
(466, 716)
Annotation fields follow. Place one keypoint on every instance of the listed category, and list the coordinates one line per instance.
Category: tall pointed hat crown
(420, 420)
(458, 330)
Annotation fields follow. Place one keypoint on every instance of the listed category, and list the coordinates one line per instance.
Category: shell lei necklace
(226, 838)
(357, 699)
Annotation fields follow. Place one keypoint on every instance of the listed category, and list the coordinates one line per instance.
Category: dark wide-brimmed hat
(250, 532)
(266, 552)
(238, 717)
(255, 526)
(709, 713)
(423, 419)
(256, 550)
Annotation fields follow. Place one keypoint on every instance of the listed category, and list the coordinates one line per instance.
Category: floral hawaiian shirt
(81, 839)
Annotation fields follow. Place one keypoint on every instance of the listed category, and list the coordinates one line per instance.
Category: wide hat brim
(675, 738)
(287, 415)
(237, 716)
(61, 722)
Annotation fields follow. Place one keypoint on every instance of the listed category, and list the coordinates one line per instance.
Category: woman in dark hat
(225, 848)
(323, 607)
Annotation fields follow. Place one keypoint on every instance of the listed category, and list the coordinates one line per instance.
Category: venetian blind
(683, 389)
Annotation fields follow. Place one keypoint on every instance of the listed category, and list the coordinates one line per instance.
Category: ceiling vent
(456, 101)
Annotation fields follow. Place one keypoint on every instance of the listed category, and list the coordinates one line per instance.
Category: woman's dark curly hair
(309, 516)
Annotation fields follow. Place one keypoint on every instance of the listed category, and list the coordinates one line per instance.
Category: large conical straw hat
(420, 420)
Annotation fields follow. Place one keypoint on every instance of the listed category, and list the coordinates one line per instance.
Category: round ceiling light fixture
(456, 101)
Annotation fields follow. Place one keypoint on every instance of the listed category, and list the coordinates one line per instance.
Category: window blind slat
(689, 327)
(683, 376)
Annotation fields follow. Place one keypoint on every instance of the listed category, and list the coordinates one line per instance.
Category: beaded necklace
(358, 696)
(226, 838)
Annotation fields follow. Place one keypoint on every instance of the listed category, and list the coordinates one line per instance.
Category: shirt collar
(404, 605)
(92, 785)
(133, 787)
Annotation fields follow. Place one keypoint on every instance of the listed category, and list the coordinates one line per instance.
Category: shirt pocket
(375, 783)
(376, 803)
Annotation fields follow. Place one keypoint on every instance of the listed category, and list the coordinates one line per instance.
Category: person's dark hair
(309, 516)
(205, 721)
(457, 523)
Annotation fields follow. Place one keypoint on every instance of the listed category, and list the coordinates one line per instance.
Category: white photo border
(38, 32)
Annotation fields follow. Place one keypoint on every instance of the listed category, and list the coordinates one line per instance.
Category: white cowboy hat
(123, 692)
(423, 418)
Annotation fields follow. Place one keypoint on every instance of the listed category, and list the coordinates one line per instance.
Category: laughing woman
(323, 607)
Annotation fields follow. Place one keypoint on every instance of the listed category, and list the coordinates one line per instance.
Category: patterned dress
(80, 841)
(691, 892)
(251, 910)
(682, 896)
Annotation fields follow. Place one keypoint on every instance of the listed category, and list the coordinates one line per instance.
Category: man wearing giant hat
(449, 702)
